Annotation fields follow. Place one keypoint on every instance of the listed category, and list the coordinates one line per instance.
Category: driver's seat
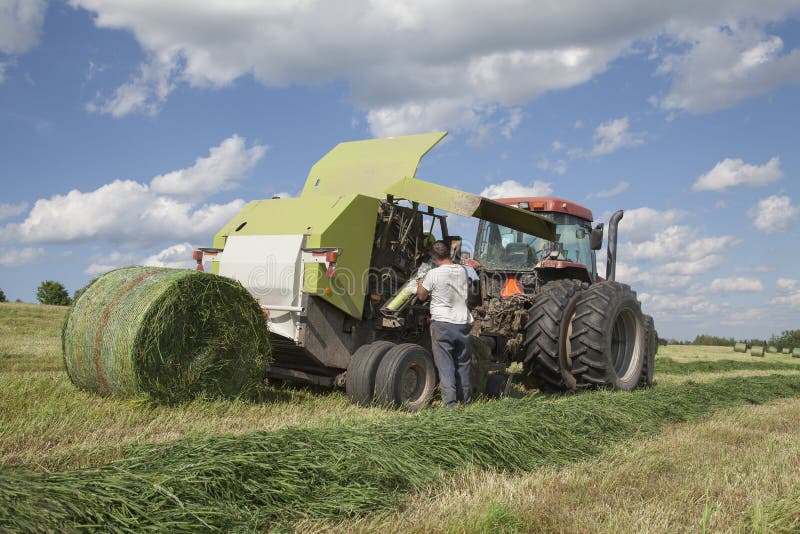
(519, 254)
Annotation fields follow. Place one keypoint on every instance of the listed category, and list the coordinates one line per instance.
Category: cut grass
(729, 472)
(253, 480)
(669, 366)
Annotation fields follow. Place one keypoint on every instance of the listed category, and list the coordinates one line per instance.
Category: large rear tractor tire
(547, 334)
(649, 365)
(360, 384)
(609, 344)
(406, 378)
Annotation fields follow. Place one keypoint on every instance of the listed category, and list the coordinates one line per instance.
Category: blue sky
(131, 131)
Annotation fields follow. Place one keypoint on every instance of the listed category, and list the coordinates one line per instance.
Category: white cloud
(20, 24)
(512, 188)
(129, 212)
(733, 172)
(11, 257)
(12, 210)
(616, 190)
(108, 262)
(412, 66)
(558, 166)
(177, 256)
(724, 65)
(736, 284)
(144, 93)
(786, 284)
(774, 214)
(222, 169)
(614, 135)
(641, 224)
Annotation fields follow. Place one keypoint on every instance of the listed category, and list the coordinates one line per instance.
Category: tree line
(52, 293)
(786, 340)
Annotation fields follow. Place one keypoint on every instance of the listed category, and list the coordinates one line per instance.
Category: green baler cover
(346, 222)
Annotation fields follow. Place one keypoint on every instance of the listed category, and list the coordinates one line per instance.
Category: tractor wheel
(546, 342)
(360, 383)
(651, 339)
(608, 340)
(406, 378)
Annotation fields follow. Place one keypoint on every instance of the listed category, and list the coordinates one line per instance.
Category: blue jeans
(450, 344)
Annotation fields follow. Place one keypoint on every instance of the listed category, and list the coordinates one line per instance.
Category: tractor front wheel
(608, 341)
(406, 378)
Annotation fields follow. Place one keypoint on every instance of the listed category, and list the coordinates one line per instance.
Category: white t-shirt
(448, 288)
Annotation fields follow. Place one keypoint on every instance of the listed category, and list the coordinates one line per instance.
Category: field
(713, 446)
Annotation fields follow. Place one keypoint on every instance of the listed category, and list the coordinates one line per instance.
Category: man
(447, 285)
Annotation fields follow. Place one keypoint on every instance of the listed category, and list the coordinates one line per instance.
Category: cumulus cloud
(786, 284)
(222, 169)
(733, 172)
(641, 224)
(614, 135)
(412, 66)
(512, 188)
(129, 212)
(736, 284)
(724, 65)
(10, 257)
(12, 210)
(20, 24)
(614, 191)
(177, 256)
(774, 214)
(108, 262)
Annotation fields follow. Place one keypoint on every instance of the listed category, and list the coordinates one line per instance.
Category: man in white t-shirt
(448, 285)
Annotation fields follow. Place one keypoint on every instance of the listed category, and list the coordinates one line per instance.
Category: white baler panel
(270, 268)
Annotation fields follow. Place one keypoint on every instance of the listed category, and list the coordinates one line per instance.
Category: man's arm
(422, 293)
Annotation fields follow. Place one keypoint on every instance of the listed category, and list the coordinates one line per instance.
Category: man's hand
(422, 293)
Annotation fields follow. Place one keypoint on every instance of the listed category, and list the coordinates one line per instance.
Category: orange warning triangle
(511, 287)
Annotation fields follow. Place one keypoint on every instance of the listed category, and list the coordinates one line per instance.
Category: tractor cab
(508, 252)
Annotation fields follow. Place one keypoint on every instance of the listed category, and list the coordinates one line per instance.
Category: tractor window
(499, 247)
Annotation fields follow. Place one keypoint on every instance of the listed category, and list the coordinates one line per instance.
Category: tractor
(334, 272)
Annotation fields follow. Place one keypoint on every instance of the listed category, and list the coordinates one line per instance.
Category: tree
(2, 296)
(52, 292)
(787, 340)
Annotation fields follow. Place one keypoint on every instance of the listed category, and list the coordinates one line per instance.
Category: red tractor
(544, 304)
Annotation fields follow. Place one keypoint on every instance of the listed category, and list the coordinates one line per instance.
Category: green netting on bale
(170, 334)
(740, 347)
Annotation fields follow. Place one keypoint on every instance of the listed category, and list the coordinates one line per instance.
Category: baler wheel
(608, 340)
(360, 383)
(406, 378)
(547, 334)
(651, 337)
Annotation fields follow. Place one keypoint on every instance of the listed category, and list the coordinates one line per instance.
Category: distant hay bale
(796, 352)
(757, 351)
(170, 334)
(740, 347)
(772, 349)
(786, 350)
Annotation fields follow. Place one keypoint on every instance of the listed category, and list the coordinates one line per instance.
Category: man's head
(440, 252)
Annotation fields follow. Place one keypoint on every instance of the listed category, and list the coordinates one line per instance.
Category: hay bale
(757, 351)
(796, 352)
(169, 334)
(772, 349)
(786, 350)
(740, 347)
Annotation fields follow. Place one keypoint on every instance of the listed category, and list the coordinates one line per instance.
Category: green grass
(253, 480)
(668, 366)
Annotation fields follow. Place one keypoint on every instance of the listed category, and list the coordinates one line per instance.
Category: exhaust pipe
(611, 254)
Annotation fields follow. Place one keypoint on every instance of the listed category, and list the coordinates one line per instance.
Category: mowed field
(715, 446)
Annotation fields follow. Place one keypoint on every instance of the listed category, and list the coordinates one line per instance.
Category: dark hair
(440, 250)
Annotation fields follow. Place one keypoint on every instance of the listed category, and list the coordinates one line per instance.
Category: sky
(132, 130)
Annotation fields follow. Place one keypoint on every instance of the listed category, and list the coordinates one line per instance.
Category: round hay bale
(786, 350)
(796, 352)
(757, 351)
(169, 334)
(740, 347)
(772, 349)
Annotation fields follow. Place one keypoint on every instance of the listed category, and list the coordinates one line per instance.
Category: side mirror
(596, 239)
